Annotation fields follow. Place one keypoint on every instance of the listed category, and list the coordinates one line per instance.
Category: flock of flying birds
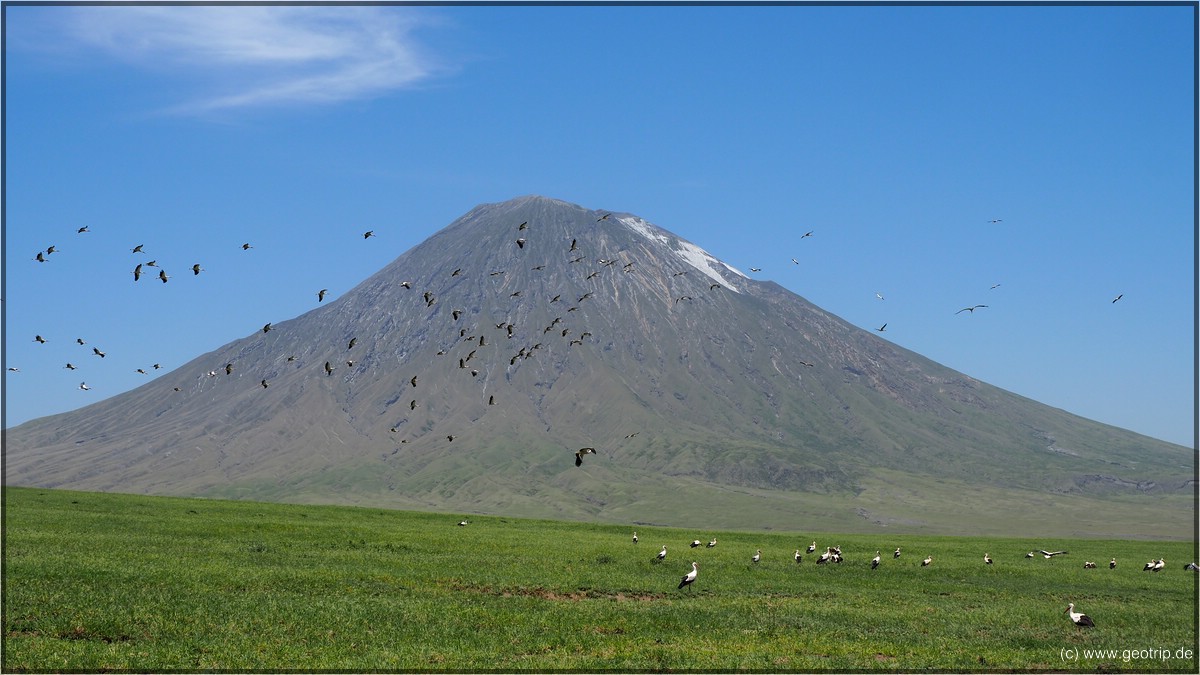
(430, 298)
(467, 336)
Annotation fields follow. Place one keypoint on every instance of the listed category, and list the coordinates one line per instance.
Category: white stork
(662, 555)
(797, 556)
(1079, 618)
(1089, 565)
(690, 576)
(825, 556)
(987, 559)
(712, 543)
(1191, 567)
(812, 547)
(926, 561)
(1149, 566)
(635, 537)
(1112, 564)
(1050, 554)
(695, 543)
(757, 556)
(1159, 565)
(896, 553)
(875, 560)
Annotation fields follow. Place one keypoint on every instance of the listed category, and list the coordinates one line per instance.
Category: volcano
(465, 375)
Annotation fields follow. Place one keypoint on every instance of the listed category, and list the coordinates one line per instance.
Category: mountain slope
(710, 397)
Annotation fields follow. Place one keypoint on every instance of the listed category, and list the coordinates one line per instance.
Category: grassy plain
(96, 582)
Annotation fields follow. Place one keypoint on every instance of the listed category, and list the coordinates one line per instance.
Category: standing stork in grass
(987, 559)
(756, 557)
(690, 576)
(695, 543)
(797, 556)
(635, 537)
(875, 560)
(1112, 564)
(896, 553)
(1159, 565)
(927, 561)
(662, 555)
(712, 543)
(812, 547)
(1079, 618)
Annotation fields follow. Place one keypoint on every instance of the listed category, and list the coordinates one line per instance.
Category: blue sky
(896, 134)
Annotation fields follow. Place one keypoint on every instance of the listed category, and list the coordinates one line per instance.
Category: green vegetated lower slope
(99, 581)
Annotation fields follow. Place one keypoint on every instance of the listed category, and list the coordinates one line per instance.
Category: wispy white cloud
(256, 56)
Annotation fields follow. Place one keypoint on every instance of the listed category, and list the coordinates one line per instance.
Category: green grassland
(96, 582)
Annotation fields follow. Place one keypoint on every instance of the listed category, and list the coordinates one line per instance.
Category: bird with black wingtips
(875, 560)
(635, 538)
(39, 257)
(1112, 564)
(264, 383)
(84, 386)
(39, 339)
(970, 309)
(987, 559)
(328, 368)
(162, 276)
(368, 234)
(137, 249)
(1118, 297)
(882, 328)
(695, 543)
(712, 543)
(137, 272)
(97, 352)
(896, 553)
(82, 230)
(1050, 554)
(757, 556)
(228, 368)
(353, 341)
(321, 294)
(690, 578)
(927, 561)
(197, 269)
(246, 247)
(1079, 618)
(662, 555)
(266, 328)
(581, 452)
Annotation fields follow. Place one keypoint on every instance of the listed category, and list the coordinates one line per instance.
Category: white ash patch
(689, 252)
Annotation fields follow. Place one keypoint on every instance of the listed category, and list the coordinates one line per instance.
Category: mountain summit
(467, 373)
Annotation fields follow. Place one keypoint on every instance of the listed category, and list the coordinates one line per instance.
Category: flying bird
(353, 341)
(795, 261)
(162, 276)
(879, 296)
(520, 242)
(413, 381)
(39, 339)
(321, 294)
(755, 269)
(84, 386)
(246, 247)
(1079, 618)
(50, 250)
(581, 452)
(882, 328)
(603, 217)
(1050, 554)
(690, 577)
(267, 328)
(80, 341)
(368, 234)
(197, 269)
(970, 309)
(523, 226)
(141, 371)
(997, 220)
(39, 257)
(97, 352)
(1118, 297)
(82, 230)
(457, 271)
(328, 368)
(137, 272)
(228, 368)
(137, 249)
(69, 366)
(264, 383)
